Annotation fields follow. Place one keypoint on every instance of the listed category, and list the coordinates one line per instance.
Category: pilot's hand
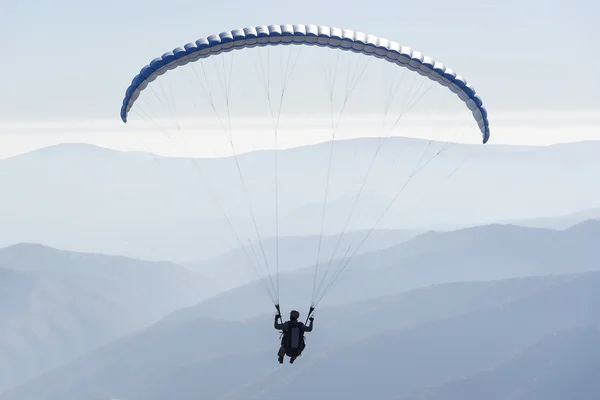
(311, 319)
(277, 316)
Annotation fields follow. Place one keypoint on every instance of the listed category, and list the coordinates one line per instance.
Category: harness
(293, 340)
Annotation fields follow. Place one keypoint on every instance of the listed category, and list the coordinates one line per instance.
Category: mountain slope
(399, 362)
(158, 208)
(233, 268)
(471, 254)
(382, 351)
(563, 365)
(57, 305)
(559, 221)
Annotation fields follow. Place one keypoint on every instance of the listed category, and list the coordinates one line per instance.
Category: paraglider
(303, 36)
(292, 341)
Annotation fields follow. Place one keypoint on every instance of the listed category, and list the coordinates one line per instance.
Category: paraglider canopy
(299, 34)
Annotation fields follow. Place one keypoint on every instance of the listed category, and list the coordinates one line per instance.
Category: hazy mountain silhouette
(471, 254)
(563, 365)
(57, 305)
(233, 268)
(158, 208)
(437, 335)
(561, 221)
(355, 211)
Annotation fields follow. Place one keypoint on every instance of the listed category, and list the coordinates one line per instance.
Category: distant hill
(398, 362)
(563, 365)
(471, 254)
(560, 222)
(363, 210)
(157, 208)
(233, 268)
(57, 305)
(385, 349)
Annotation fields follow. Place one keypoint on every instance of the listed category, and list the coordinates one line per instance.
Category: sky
(69, 62)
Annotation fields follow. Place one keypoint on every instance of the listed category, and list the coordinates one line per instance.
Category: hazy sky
(533, 62)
